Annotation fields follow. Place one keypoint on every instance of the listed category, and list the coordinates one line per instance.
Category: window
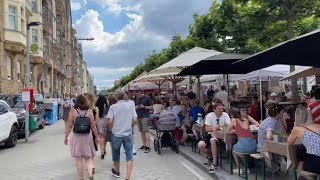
(19, 70)
(3, 109)
(31, 73)
(45, 45)
(59, 58)
(9, 68)
(58, 36)
(12, 18)
(23, 22)
(34, 35)
(34, 5)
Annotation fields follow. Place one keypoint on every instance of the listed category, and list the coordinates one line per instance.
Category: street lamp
(86, 39)
(30, 24)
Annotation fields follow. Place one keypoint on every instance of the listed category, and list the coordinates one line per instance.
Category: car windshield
(18, 103)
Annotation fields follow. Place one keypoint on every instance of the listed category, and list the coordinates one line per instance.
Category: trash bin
(48, 117)
(49, 113)
(32, 123)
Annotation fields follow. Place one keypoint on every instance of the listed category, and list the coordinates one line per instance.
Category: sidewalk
(198, 160)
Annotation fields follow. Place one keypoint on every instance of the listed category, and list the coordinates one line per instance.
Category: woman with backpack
(81, 121)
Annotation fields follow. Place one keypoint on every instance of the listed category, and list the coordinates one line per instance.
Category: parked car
(8, 125)
(19, 109)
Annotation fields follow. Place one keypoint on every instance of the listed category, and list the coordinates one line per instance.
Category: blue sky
(126, 31)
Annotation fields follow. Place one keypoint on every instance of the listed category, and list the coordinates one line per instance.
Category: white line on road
(192, 171)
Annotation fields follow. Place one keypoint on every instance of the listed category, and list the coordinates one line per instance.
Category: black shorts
(189, 130)
(207, 138)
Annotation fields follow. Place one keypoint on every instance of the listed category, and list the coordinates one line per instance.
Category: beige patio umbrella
(169, 70)
(303, 72)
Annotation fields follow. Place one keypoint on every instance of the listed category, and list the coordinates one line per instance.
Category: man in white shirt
(122, 117)
(214, 122)
(223, 96)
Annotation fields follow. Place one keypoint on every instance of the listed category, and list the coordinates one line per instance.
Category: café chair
(245, 157)
(259, 161)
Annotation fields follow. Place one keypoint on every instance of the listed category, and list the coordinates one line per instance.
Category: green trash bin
(32, 123)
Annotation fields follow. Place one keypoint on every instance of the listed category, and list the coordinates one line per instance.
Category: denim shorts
(127, 143)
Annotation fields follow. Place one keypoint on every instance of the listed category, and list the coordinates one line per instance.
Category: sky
(126, 31)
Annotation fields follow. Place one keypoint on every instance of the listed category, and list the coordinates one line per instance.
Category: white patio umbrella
(169, 70)
(303, 72)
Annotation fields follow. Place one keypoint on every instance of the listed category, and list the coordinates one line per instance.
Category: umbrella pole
(261, 109)
(228, 86)
(199, 90)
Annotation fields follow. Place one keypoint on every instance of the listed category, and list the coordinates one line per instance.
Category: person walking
(66, 108)
(95, 111)
(81, 121)
(143, 106)
(102, 104)
(122, 118)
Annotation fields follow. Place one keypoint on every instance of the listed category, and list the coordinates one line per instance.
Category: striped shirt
(315, 111)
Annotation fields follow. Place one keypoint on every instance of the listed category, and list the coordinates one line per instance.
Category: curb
(193, 161)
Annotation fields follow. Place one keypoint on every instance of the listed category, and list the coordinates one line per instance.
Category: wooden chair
(259, 161)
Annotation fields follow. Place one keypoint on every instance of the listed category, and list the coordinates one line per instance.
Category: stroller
(165, 127)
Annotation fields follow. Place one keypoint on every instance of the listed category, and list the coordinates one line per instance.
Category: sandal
(93, 170)
(103, 153)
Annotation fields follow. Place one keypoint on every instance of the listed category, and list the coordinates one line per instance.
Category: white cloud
(151, 26)
(105, 77)
(89, 25)
(78, 4)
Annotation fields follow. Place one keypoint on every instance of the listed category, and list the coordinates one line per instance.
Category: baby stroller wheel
(159, 146)
(155, 146)
(177, 147)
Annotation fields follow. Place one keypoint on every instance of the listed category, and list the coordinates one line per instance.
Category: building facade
(55, 66)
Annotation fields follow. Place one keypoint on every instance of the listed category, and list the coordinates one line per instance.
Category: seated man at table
(213, 122)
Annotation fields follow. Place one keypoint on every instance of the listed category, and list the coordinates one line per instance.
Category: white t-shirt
(122, 114)
(211, 119)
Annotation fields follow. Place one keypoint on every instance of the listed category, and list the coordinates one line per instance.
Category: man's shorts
(207, 138)
(143, 124)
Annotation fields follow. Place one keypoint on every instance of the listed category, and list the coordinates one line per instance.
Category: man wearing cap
(143, 106)
(273, 98)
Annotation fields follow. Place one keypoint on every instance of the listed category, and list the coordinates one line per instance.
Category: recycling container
(32, 122)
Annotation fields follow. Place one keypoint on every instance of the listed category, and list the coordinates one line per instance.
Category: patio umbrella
(302, 50)
(217, 64)
(303, 72)
(169, 70)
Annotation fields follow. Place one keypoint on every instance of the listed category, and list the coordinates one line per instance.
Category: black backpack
(82, 124)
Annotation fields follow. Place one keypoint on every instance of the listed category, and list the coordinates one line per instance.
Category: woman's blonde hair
(91, 99)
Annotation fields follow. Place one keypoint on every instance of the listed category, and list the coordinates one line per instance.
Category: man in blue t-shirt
(194, 110)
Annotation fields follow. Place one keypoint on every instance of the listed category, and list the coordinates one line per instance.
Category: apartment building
(55, 66)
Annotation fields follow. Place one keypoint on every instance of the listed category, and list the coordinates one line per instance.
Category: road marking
(200, 177)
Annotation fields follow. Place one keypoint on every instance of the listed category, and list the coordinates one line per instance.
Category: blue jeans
(116, 142)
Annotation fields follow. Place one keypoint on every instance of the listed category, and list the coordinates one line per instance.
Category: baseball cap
(273, 94)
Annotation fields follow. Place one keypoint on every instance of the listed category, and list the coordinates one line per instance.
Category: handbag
(82, 124)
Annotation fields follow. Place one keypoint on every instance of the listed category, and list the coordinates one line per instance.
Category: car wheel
(13, 138)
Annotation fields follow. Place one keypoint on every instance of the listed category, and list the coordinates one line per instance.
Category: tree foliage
(240, 26)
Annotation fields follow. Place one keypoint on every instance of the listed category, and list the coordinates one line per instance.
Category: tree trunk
(290, 35)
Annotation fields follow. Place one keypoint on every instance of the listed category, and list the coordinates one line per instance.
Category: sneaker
(134, 152)
(208, 163)
(147, 150)
(142, 148)
(212, 169)
(115, 173)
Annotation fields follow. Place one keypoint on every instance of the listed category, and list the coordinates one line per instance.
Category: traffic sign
(34, 48)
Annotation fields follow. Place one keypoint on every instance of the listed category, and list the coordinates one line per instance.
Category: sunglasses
(218, 121)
